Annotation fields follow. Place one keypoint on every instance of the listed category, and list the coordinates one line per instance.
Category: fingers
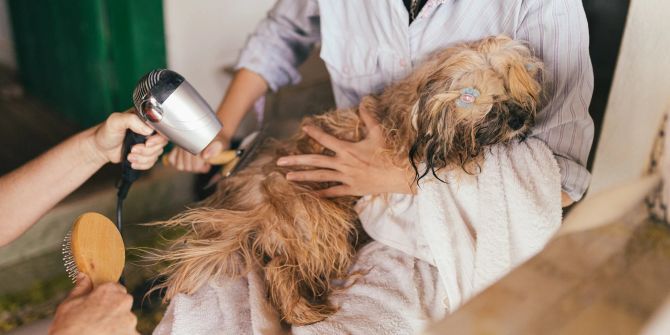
(144, 156)
(111, 288)
(172, 157)
(321, 161)
(125, 302)
(138, 162)
(106, 310)
(82, 287)
(114, 295)
(131, 321)
(183, 160)
(212, 150)
(325, 139)
(119, 122)
(368, 118)
(156, 140)
(316, 175)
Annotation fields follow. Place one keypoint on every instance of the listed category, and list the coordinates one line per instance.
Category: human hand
(103, 310)
(566, 200)
(108, 141)
(183, 160)
(360, 167)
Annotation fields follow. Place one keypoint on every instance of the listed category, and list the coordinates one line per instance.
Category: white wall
(640, 95)
(204, 36)
(6, 45)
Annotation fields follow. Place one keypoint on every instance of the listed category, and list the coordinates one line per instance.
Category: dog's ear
(433, 117)
(522, 84)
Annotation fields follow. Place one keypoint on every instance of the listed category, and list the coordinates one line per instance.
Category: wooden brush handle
(97, 248)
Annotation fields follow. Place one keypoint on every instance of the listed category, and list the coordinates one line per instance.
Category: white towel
(475, 228)
(433, 252)
(398, 294)
(518, 209)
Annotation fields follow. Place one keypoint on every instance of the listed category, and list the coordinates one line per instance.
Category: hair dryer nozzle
(168, 103)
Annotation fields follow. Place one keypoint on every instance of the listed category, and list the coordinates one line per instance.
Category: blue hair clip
(468, 97)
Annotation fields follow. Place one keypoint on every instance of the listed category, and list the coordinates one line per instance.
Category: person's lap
(394, 294)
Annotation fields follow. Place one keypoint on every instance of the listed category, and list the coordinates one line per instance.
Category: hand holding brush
(102, 310)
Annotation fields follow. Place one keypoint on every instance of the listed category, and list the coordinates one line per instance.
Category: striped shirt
(369, 44)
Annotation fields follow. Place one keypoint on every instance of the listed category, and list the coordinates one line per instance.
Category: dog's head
(470, 97)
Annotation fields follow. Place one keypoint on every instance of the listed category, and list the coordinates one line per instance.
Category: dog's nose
(516, 122)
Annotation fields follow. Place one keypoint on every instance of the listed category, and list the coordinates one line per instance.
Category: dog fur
(259, 221)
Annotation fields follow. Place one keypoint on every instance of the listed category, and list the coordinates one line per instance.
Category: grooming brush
(94, 246)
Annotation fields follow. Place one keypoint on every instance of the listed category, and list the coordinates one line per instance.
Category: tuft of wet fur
(257, 220)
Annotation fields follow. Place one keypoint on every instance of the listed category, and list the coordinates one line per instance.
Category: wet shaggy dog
(443, 116)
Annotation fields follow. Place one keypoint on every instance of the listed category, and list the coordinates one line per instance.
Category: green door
(83, 57)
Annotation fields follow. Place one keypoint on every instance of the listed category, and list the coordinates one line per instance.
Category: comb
(94, 246)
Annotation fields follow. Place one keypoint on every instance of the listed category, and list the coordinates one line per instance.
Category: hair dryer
(169, 104)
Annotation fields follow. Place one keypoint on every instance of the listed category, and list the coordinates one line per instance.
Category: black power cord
(128, 177)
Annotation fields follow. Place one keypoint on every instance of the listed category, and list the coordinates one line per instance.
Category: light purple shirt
(366, 45)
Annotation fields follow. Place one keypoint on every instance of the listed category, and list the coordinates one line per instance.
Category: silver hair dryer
(169, 104)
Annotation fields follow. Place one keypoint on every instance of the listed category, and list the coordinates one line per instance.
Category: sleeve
(557, 30)
(282, 41)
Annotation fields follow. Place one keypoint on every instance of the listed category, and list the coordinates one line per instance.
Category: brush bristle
(68, 258)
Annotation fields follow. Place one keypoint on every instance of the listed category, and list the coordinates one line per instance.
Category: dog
(442, 117)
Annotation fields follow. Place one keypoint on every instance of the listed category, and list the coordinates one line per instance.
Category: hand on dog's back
(359, 167)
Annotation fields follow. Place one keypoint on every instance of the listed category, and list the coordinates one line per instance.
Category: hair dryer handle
(128, 174)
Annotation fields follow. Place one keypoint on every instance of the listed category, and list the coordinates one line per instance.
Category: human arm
(103, 310)
(270, 59)
(558, 32)
(31, 190)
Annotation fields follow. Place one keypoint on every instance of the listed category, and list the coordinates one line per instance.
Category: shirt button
(403, 63)
(345, 70)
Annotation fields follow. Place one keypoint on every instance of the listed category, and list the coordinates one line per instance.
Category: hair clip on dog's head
(468, 97)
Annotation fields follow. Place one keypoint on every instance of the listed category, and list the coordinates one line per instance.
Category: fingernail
(290, 176)
(131, 158)
(305, 129)
(282, 161)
